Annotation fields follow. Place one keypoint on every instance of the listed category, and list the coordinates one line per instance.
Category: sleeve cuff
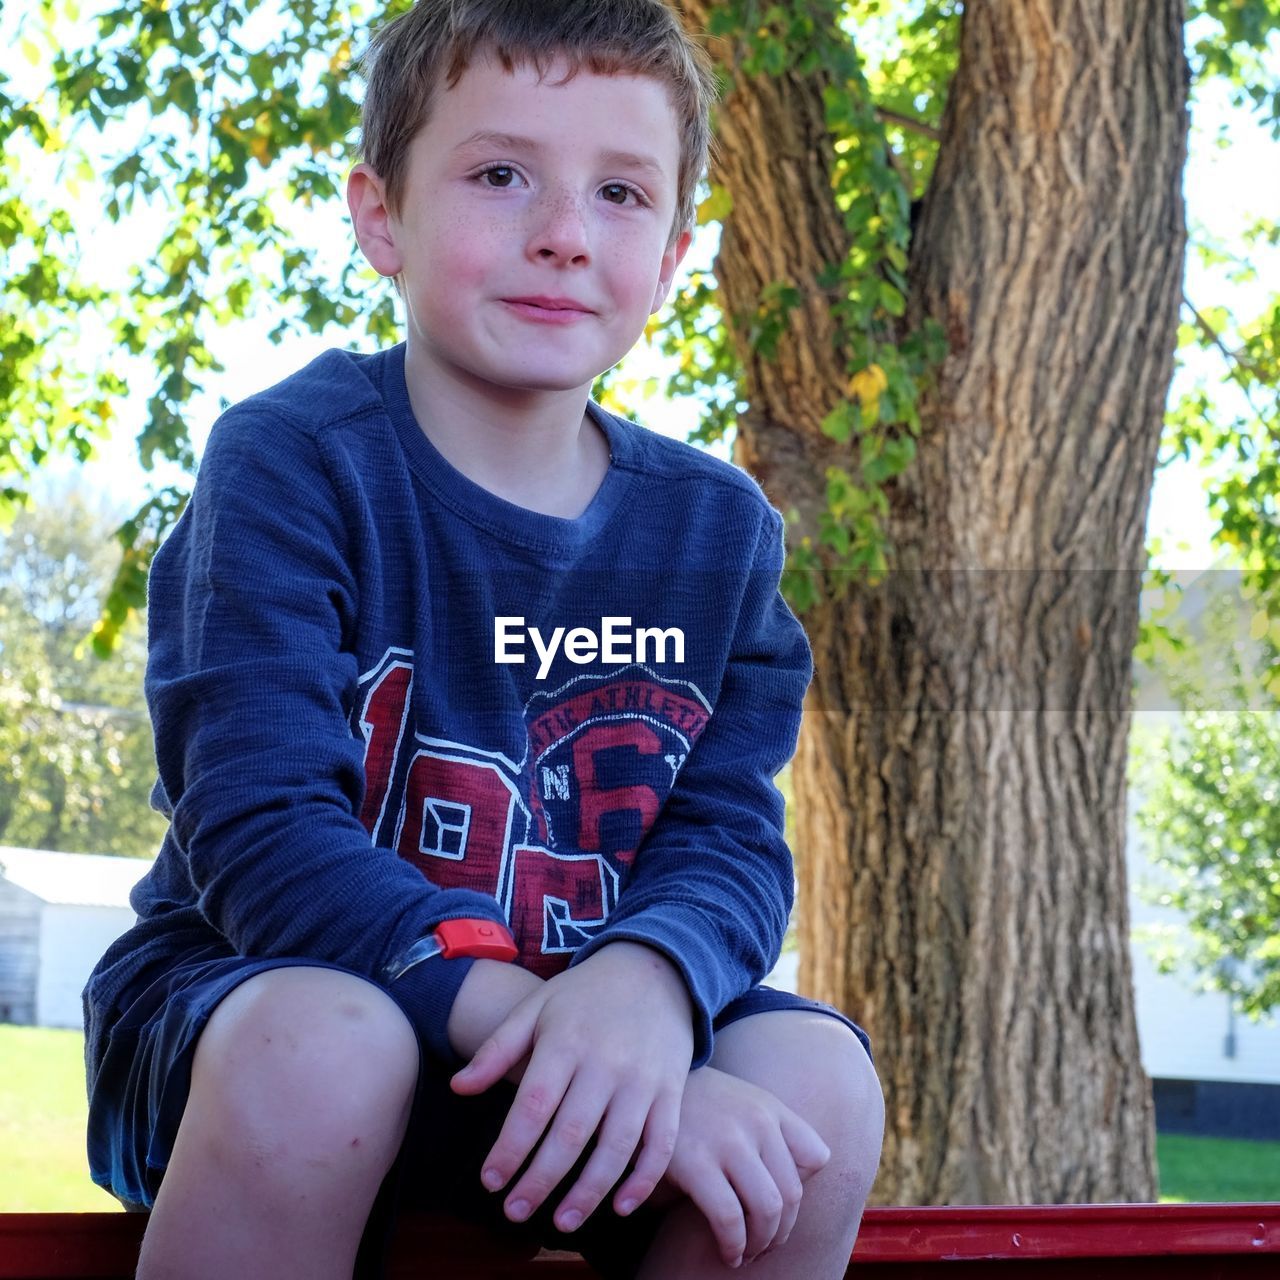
(426, 994)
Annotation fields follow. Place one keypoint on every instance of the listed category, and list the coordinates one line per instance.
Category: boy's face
(485, 222)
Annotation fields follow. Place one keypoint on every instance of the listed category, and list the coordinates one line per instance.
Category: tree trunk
(960, 781)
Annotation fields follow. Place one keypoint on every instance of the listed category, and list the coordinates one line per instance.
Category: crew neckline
(475, 503)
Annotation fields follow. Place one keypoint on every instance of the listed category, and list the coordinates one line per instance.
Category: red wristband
(483, 939)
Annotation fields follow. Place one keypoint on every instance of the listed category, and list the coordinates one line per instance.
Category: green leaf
(836, 424)
(891, 300)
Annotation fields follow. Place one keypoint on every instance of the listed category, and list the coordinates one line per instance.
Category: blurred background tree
(75, 739)
(1211, 805)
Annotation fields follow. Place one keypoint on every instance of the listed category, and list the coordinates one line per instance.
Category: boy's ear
(671, 259)
(375, 234)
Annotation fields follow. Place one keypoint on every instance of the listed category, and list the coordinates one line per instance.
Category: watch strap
(478, 939)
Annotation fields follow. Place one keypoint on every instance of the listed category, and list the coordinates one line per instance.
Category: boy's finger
(781, 1165)
(512, 1040)
(575, 1125)
(616, 1142)
(719, 1203)
(761, 1201)
(660, 1134)
(536, 1100)
(807, 1148)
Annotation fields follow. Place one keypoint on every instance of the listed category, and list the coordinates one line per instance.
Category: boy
(446, 659)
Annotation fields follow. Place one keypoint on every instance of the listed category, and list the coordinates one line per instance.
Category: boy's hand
(741, 1157)
(610, 1039)
(489, 992)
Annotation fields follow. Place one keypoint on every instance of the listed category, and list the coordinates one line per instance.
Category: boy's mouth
(545, 303)
(548, 310)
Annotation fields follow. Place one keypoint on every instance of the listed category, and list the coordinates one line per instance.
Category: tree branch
(1242, 364)
(886, 116)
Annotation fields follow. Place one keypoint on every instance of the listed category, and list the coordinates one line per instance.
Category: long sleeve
(250, 681)
(713, 882)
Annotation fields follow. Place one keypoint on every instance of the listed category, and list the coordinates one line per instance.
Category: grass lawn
(42, 1126)
(1217, 1169)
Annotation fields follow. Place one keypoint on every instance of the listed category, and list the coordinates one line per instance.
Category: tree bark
(960, 780)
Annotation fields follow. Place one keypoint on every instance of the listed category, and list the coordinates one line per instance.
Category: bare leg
(815, 1065)
(300, 1095)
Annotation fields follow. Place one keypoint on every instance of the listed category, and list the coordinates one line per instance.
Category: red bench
(1082, 1242)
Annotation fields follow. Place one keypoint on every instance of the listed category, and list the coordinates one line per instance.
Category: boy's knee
(851, 1121)
(305, 1063)
(826, 1076)
(847, 1089)
(861, 1081)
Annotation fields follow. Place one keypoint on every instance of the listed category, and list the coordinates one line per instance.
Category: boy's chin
(551, 381)
(517, 386)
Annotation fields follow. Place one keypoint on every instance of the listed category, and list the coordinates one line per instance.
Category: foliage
(235, 115)
(1211, 789)
(233, 123)
(1232, 47)
(889, 363)
(227, 120)
(75, 740)
(1233, 423)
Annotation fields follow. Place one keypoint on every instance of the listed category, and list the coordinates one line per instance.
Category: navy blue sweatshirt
(384, 697)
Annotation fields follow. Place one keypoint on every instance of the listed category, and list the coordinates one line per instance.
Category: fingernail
(626, 1206)
(571, 1221)
(519, 1211)
(492, 1179)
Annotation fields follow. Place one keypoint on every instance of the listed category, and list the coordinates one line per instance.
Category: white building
(58, 913)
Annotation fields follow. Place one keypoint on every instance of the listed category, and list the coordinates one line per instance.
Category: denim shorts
(138, 1092)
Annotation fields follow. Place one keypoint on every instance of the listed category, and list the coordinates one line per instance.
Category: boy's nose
(559, 226)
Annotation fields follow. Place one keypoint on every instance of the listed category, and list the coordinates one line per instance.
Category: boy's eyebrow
(514, 142)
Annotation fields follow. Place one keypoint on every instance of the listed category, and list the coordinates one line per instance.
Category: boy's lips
(545, 303)
(548, 310)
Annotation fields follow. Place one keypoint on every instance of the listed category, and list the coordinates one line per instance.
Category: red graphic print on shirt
(552, 835)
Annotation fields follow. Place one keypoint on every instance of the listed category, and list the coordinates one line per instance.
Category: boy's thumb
(501, 1051)
(483, 1065)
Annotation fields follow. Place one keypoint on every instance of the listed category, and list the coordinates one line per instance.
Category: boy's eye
(497, 168)
(626, 190)
(509, 174)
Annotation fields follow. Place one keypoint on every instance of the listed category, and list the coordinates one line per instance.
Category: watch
(481, 939)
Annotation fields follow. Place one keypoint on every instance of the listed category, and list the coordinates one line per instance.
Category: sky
(1233, 177)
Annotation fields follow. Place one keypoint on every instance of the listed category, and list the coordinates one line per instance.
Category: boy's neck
(539, 450)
